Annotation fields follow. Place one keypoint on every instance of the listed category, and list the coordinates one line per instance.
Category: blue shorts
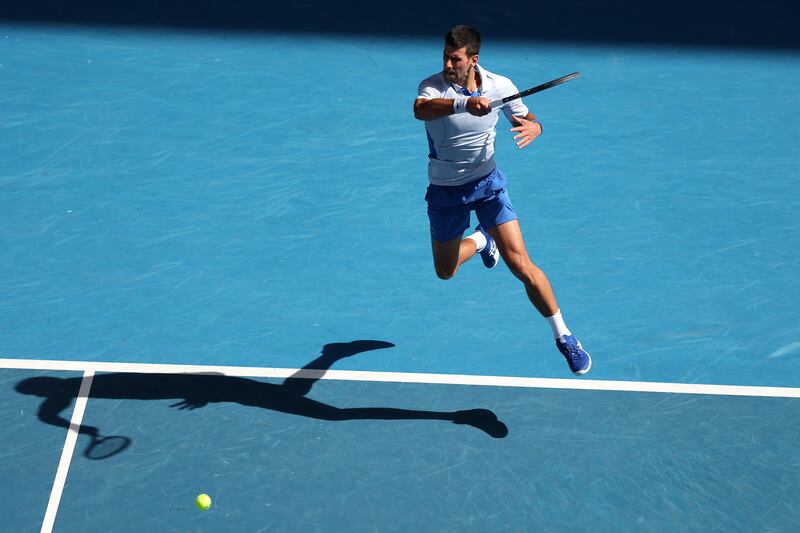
(449, 207)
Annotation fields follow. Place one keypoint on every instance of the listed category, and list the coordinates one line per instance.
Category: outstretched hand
(528, 131)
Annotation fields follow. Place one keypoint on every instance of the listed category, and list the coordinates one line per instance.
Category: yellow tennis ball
(203, 502)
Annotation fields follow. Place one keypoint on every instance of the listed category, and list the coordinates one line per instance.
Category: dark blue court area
(238, 187)
(666, 461)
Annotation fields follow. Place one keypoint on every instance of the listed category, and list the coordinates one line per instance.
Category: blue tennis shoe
(580, 362)
(489, 254)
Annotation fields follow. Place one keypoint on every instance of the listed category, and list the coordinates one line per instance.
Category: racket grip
(494, 104)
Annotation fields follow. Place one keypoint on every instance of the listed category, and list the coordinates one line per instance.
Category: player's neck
(473, 80)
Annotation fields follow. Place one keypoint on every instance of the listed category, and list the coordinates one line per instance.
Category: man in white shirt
(461, 129)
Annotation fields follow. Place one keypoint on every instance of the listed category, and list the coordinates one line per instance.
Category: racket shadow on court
(193, 391)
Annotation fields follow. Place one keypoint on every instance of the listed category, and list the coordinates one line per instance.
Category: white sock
(557, 323)
(480, 240)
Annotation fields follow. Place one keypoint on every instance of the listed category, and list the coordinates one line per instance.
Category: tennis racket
(532, 90)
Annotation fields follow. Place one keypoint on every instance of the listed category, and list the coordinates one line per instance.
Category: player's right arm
(431, 105)
(433, 108)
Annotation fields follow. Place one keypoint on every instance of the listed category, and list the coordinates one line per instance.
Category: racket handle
(494, 104)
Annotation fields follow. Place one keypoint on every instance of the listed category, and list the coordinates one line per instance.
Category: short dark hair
(461, 36)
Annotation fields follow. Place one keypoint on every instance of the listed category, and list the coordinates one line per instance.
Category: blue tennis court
(215, 249)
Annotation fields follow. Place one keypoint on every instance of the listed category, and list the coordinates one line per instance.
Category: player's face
(457, 64)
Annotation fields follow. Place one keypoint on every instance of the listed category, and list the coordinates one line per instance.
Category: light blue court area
(219, 198)
(362, 456)
(226, 199)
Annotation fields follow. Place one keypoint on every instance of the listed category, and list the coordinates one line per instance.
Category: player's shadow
(198, 390)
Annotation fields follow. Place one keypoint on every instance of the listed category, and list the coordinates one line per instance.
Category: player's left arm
(527, 129)
(525, 125)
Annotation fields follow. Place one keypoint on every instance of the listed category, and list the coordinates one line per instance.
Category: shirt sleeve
(429, 89)
(514, 107)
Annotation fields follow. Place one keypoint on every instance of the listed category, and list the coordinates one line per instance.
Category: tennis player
(455, 106)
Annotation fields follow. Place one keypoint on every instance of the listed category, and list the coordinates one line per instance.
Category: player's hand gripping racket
(497, 103)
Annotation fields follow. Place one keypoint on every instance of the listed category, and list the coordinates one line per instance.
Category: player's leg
(508, 237)
(498, 218)
(449, 214)
(448, 256)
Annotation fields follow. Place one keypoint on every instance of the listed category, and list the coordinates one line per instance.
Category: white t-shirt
(462, 145)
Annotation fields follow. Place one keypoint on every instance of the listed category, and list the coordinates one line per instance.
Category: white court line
(66, 453)
(404, 377)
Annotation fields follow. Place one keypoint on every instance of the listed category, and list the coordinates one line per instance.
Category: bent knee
(518, 263)
(524, 269)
